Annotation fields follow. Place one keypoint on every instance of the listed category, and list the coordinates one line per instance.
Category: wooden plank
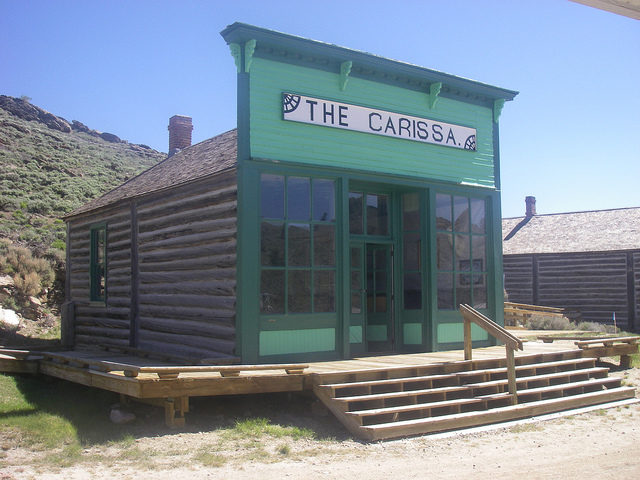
(607, 341)
(503, 414)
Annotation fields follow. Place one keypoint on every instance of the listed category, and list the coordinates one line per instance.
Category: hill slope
(51, 166)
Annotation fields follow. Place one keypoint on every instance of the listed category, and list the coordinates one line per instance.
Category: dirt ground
(599, 444)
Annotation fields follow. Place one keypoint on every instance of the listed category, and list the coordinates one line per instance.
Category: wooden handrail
(510, 341)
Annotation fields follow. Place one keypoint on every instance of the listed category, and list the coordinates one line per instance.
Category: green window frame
(298, 246)
(461, 251)
(98, 263)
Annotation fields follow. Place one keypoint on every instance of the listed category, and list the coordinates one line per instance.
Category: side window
(461, 239)
(98, 263)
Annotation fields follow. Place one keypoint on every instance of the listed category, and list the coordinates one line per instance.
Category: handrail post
(467, 339)
(511, 375)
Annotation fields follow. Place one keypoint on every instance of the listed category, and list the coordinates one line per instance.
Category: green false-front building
(355, 207)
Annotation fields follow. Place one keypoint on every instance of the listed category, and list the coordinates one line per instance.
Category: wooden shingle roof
(592, 231)
(205, 158)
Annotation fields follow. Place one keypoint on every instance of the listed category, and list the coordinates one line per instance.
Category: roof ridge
(574, 212)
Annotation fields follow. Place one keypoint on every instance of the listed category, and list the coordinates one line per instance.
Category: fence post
(467, 338)
(511, 375)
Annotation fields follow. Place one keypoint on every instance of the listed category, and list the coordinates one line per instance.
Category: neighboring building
(355, 207)
(588, 262)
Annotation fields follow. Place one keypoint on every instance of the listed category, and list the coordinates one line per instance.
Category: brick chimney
(180, 128)
(530, 203)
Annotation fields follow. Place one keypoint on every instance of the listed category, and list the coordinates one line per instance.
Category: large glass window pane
(480, 291)
(324, 209)
(411, 248)
(443, 212)
(272, 244)
(445, 251)
(356, 302)
(272, 196)
(462, 253)
(298, 198)
(356, 280)
(463, 288)
(478, 263)
(324, 291)
(299, 294)
(412, 291)
(356, 218)
(299, 249)
(381, 302)
(377, 215)
(356, 257)
(272, 291)
(478, 215)
(445, 291)
(461, 214)
(324, 245)
(410, 211)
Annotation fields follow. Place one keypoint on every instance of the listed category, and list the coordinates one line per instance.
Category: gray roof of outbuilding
(205, 158)
(592, 231)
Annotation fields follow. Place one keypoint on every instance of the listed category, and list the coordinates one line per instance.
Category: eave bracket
(434, 91)
(345, 70)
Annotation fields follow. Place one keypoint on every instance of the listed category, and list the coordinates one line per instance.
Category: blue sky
(571, 137)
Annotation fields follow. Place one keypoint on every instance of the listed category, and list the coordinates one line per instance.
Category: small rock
(6, 281)
(35, 301)
(9, 317)
(121, 417)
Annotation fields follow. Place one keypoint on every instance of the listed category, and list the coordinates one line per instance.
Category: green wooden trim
(498, 104)
(236, 53)
(284, 342)
(355, 334)
(434, 91)
(345, 70)
(302, 50)
(303, 321)
(249, 49)
(412, 334)
(94, 232)
(453, 333)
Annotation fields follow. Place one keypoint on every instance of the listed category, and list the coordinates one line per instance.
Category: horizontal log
(222, 275)
(120, 244)
(208, 197)
(81, 340)
(205, 225)
(204, 301)
(187, 312)
(192, 288)
(172, 340)
(92, 331)
(219, 213)
(205, 250)
(188, 327)
(82, 319)
(187, 239)
(217, 261)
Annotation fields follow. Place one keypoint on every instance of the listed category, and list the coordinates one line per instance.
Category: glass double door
(372, 295)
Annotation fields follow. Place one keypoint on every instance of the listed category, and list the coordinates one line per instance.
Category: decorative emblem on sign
(327, 113)
(290, 102)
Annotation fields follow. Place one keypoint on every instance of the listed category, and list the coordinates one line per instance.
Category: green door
(379, 297)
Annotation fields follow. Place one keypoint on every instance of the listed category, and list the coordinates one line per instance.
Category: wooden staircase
(400, 401)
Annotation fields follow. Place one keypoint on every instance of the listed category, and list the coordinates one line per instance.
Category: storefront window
(461, 245)
(297, 244)
(411, 252)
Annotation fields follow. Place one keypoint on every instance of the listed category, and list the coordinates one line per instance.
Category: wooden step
(502, 414)
(479, 402)
(442, 380)
(415, 396)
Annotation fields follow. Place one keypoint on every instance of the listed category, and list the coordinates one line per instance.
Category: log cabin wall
(186, 264)
(101, 323)
(596, 284)
(170, 272)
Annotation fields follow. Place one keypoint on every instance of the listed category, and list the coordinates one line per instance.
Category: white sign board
(316, 111)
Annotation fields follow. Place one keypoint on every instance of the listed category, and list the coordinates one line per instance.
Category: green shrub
(30, 274)
(549, 322)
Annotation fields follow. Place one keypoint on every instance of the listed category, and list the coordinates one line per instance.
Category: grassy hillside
(49, 167)
(47, 173)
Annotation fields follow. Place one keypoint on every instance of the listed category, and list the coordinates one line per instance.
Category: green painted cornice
(434, 91)
(498, 104)
(324, 56)
(345, 70)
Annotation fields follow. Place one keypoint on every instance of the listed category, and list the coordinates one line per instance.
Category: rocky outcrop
(21, 108)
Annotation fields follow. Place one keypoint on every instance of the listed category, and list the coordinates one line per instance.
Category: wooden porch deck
(171, 386)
